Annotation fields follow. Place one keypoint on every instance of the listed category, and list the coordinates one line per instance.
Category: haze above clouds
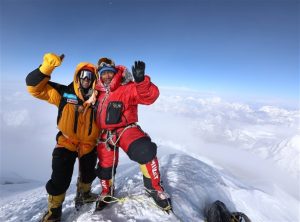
(202, 124)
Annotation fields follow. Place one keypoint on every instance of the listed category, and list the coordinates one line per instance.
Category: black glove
(138, 71)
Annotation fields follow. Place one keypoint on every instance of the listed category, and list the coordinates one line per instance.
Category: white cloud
(202, 125)
(16, 118)
(28, 130)
(197, 121)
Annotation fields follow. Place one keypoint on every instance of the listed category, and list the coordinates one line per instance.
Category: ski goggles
(105, 62)
(86, 74)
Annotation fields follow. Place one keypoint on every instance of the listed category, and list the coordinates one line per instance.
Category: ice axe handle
(62, 56)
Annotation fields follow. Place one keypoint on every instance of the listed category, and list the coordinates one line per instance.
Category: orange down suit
(76, 120)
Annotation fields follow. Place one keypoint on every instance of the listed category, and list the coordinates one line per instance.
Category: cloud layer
(207, 126)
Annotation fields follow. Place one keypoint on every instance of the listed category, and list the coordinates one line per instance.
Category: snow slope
(191, 183)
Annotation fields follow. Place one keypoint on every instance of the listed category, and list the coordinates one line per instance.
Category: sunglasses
(86, 74)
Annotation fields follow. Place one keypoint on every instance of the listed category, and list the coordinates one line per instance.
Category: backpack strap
(78, 109)
(92, 116)
(79, 104)
(61, 89)
(91, 122)
(61, 106)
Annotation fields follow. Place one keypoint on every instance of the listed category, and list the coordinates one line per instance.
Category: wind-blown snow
(246, 155)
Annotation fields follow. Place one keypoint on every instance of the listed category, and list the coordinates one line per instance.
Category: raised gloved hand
(138, 71)
(51, 61)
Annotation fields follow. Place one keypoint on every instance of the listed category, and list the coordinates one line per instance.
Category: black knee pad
(63, 161)
(57, 188)
(87, 164)
(142, 150)
(105, 173)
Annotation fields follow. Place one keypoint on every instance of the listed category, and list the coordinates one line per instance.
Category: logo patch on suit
(71, 98)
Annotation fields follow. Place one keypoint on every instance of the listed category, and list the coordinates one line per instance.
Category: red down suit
(117, 115)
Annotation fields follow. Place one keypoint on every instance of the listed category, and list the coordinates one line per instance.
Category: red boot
(106, 194)
(152, 183)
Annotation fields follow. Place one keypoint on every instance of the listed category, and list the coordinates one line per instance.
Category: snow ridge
(191, 183)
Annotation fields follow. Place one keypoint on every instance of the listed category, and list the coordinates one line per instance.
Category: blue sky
(238, 47)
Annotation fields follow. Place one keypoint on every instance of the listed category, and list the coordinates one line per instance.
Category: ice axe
(62, 56)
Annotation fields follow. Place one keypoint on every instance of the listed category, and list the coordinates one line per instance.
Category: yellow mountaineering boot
(54, 208)
(84, 194)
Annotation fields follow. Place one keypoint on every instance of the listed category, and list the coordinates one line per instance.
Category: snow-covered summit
(191, 183)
